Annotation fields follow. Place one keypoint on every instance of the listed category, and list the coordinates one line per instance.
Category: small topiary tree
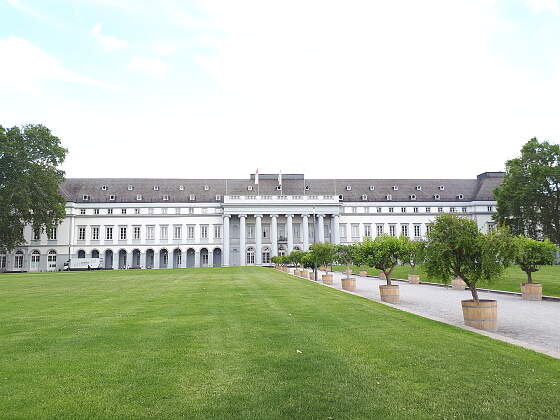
(323, 253)
(383, 253)
(414, 253)
(529, 254)
(295, 257)
(456, 248)
(345, 254)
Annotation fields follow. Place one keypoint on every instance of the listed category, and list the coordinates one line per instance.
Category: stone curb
(493, 335)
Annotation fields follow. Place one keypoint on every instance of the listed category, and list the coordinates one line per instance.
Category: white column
(321, 229)
(115, 260)
(242, 239)
(225, 235)
(305, 231)
(156, 258)
(274, 234)
(183, 259)
(142, 259)
(289, 233)
(336, 228)
(210, 258)
(258, 239)
(197, 257)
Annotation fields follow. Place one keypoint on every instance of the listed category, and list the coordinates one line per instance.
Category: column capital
(258, 215)
(305, 215)
(242, 215)
(227, 216)
(290, 215)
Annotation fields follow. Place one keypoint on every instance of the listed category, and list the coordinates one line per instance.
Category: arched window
(18, 264)
(266, 256)
(250, 256)
(81, 253)
(281, 251)
(95, 253)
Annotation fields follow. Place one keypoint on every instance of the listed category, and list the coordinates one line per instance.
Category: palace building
(165, 223)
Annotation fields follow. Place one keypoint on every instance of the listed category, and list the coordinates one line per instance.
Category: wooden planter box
(414, 279)
(349, 284)
(327, 279)
(363, 273)
(458, 284)
(531, 291)
(483, 315)
(389, 293)
(304, 274)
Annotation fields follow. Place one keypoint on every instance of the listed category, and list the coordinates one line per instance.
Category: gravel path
(534, 325)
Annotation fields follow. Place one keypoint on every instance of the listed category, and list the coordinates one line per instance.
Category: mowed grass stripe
(222, 343)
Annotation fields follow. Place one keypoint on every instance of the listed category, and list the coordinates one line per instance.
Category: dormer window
(413, 196)
(249, 188)
(138, 197)
(156, 188)
(307, 188)
(130, 188)
(418, 188)
(348, 188)
(218, 197)
(389, 197)
(460, 196)
(395, 187)
(340, 197)
(112, 197)
(364, 197)
(104, 188)
(436, 197)
(85, 197)
(441, 188)
(181, 187)
(191, 197)
(278, 187)
(371, 187)
(166, 197)
(206, 188)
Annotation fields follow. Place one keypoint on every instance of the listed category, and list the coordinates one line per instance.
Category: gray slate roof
(480, 188)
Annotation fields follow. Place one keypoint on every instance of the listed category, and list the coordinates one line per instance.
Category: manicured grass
(246, 343)
(549, 276)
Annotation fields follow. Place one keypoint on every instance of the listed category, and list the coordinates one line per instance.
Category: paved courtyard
(535, 325)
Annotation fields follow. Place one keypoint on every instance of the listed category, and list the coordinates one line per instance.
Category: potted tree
(345, 254)
(529, 255)
(414, 255)
(324, 253)
(456, 248)
(384, 253)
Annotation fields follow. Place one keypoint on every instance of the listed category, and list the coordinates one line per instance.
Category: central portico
(253, 234)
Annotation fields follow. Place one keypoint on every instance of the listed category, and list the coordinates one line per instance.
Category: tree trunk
(347, 271)
(473, 290)
(388, 277)
(529, 277)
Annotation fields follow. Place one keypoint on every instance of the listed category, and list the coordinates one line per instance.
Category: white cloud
(539, 6)
(29, 67)
(108, 42)
(150, 65)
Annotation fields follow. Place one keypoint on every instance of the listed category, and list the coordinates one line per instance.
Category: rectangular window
(367, 230)
(403, 209)
(355, 231)
(266, 231)
(204, 258)
(109, 211)
(82, 211)
(150, 210)
(136, 232)
(95, 233)
(163, 232)
(491, 228)
(297, 232)
(109, 233)
(122, 235)
(150, 232)
(342, 230)
(379, 210)
(281, 232)
(190, 232)
(415, 210)
(164, 210)
(250, 230)
(177, 232)
(391, 210)
(203, 231)
(404, 230)
(177, 210)
(392, 230)
(95, 211)
(19, 261)
(123, 211)
(417, 231)
(428, 228)
(440, 209)
(490, 208)
(191, 210)
(428, 209)
(452, 209)
(81, 233)
(379, 228)
(51, 234)
(2, 261)
(464, 209)
(218, 232)
(354, 209)
(136, 211)
(36, 234)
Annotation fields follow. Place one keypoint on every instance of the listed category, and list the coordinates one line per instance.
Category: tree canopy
(29, 182)
(529, 197)
(323, 253)
(529, 254)
(345, 254)
(456, 248)
(383, 253)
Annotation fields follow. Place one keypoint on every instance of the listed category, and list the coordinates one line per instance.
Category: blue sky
(354, 88)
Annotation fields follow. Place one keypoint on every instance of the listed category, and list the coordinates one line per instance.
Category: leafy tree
(308, 260)
(323, 253)
(530, 254)
(414, 252)
(456, 248)
(29, 182)
(345, 254)
(529, 197)
(294, 258)
(383, 253)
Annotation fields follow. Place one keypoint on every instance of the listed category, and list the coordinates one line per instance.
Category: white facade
(232, 230)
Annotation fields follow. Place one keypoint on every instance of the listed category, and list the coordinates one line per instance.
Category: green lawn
(549, 276)
(223, 343)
